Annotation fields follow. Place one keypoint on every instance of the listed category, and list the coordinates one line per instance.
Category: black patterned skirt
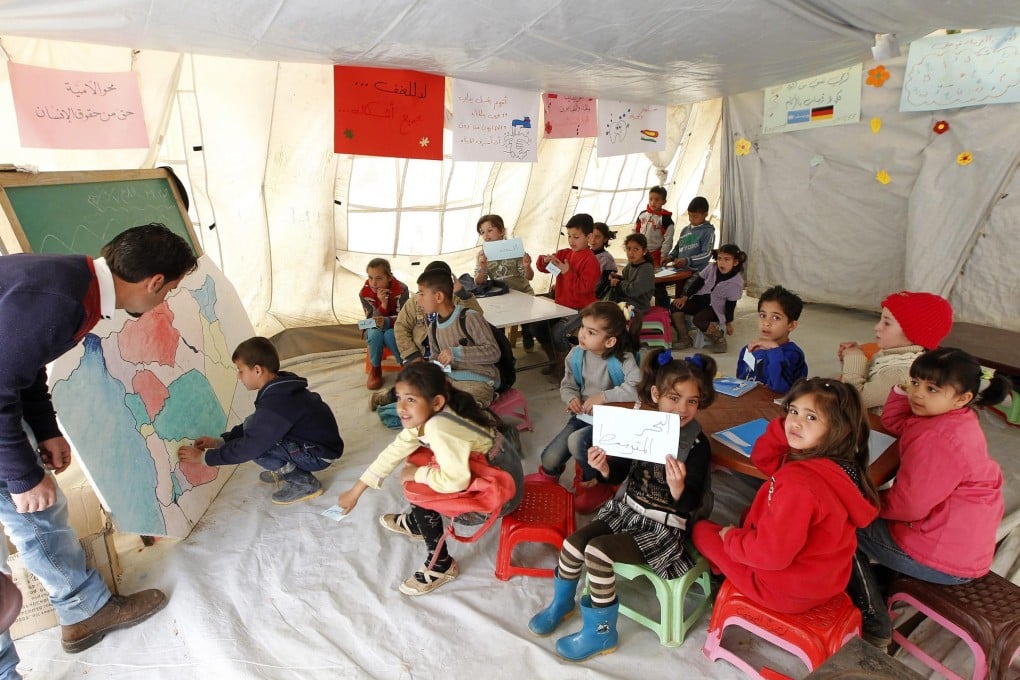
(662, 546)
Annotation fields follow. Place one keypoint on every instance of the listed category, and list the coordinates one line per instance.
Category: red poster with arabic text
(388, 112)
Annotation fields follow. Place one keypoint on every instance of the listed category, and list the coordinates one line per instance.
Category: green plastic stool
(1012, 412)
(673, 625)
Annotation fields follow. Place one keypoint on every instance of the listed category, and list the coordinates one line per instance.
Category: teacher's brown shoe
(119, 612)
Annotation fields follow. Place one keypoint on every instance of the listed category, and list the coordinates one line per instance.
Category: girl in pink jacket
(938, 521)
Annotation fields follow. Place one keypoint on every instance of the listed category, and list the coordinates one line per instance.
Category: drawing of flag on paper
(821, 113)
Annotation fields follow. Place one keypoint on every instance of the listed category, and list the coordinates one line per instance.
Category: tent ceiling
(674, 51)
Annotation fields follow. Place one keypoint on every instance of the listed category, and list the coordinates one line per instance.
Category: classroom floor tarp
(259, 591)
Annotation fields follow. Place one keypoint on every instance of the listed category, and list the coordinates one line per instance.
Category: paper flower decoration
(883, 177)
(940, 127)
(423, 142)
(877, 76)
(876, 125)
(964, 158)
(742, 147)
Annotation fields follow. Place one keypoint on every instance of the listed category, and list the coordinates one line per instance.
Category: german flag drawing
(821, 113)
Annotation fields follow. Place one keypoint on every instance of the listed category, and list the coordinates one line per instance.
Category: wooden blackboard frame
(12, 236)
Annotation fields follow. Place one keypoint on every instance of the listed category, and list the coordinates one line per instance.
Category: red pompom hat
(925, 318)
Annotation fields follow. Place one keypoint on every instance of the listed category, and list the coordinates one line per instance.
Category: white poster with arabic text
(494, 123)
(832, 98)
(965, 69)
(626, 127)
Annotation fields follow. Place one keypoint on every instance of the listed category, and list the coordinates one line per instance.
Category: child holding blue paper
(381, 297)
(650, 523)
(514, 272)
(599, 370)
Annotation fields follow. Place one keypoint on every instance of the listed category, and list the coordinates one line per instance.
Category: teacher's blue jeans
(377, 338)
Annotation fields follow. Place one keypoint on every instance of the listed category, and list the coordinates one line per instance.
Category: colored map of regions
(137, 389)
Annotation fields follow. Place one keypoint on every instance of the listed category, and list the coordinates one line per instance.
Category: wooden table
(662, 293)
(727, 411)
(515, 308)
(760, 403)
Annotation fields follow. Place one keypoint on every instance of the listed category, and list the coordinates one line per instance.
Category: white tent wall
(807, 207)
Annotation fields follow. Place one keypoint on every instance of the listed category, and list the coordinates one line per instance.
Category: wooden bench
(995, 348)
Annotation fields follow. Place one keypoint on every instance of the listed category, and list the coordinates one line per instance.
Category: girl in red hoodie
(939, 518)
(794, 549)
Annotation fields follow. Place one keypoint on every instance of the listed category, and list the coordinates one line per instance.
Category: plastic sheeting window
(414, 207)
(615, 189)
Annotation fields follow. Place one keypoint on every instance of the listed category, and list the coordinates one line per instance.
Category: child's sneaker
(398, 524)
(295, 486)
(426, 580)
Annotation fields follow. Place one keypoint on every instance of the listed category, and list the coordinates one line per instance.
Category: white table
(515, 308)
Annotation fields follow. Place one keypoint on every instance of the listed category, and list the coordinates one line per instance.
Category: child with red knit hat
(911, 323)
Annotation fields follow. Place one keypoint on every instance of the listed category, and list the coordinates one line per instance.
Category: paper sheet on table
(878, 442)
(365, 324)
(640, 435)
(665, 271)
(507, 249)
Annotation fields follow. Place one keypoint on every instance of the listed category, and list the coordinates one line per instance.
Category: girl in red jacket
(794, 549)
(939, 519)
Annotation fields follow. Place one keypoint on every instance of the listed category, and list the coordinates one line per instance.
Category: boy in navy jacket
(292, 432)
(773, 359)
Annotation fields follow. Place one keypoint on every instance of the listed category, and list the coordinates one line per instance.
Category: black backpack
(506, 364)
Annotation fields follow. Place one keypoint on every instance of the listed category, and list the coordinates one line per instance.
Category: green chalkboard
(79, 212)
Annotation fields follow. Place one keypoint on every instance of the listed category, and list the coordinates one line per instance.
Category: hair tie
(627, 309)
(696, 360)
(665, 358)
(987, 374)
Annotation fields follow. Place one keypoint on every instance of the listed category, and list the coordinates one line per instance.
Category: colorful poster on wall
(58, 109)
(625, 127)
(388, 112)
(569, 117)
(832, 98)
(965, 69)
(494, 123)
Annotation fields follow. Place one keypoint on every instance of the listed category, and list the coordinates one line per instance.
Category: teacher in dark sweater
(47, 305)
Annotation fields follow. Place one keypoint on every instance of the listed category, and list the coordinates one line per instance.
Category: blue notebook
(733, 387)
(741, 438)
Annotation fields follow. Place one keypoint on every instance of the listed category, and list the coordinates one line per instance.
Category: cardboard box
(95, 532)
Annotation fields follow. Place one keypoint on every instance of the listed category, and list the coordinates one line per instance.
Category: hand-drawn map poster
(59, 109)
(965, 69)
(625, 127)
(569, 117)
(388, 112)
(494, 123)
(136, 389)
(832, 98)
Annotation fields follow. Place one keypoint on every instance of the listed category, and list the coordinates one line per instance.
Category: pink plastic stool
(983, 613)
(545, 515)
(812, 636)
(512, 405)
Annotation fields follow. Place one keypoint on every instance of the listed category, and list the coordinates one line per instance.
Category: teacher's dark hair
(148, 250)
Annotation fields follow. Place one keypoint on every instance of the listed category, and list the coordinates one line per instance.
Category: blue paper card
(741, 438)
(365, 324)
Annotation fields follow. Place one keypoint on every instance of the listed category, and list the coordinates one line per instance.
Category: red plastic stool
(983, 613)
(386, 366)
(512, 405)
(812, 636)
(545, 515)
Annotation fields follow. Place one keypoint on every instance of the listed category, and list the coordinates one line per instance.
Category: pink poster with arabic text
(60, 109)
(567, 116)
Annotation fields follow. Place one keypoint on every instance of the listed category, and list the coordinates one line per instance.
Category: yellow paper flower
(964, 158)
(877, 76)
(876, 125)
(742, 147)
(883, 177)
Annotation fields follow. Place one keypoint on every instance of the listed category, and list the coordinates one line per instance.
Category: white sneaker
(433, 579)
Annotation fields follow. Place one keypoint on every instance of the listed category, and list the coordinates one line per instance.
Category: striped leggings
(597, 548)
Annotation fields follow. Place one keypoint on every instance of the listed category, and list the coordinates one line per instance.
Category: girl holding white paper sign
(649, 524)
(514, 272)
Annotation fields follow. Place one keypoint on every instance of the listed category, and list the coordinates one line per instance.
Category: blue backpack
(576, 360)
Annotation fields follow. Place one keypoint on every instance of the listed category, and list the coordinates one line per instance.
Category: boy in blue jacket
(292, 432)
(773, 359)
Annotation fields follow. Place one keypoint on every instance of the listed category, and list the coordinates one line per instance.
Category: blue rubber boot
(547, 620)
(597, 634)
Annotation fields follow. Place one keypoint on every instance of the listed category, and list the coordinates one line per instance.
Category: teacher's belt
(661, 516)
